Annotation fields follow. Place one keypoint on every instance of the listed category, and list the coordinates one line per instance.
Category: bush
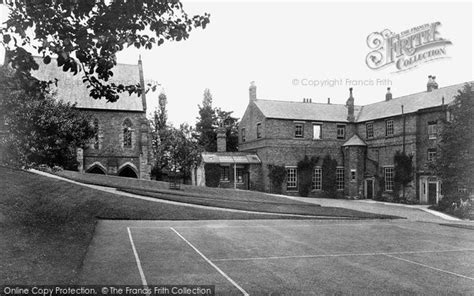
(457, 204)
(277, 175)
(329, 177)
(305, 172)
(213, 174)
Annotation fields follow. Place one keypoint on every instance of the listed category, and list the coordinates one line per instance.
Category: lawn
(46, 225)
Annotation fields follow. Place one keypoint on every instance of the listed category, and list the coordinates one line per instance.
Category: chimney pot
(388, 95)
(329, 100)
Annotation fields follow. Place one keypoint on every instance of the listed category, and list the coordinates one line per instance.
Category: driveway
(410, 212)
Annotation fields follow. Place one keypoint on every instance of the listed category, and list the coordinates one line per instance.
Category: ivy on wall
(277, 175)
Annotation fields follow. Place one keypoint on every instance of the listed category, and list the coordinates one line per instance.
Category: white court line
(340, 255)
(430, 267)
(260, 226)
(212, 264)
(137, 259)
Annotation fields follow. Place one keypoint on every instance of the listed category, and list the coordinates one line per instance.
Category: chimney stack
(221, 139)
(329, 101)
(431, 83)
(252, 91)
(388, 95)
(350, 107)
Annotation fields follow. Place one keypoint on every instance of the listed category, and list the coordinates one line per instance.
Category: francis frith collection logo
(407, 49)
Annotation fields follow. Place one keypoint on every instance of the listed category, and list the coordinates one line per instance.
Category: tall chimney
(252, 91)
(388, 95)
(221, 139)
(435, 84)
(350, 107)
(429, 85)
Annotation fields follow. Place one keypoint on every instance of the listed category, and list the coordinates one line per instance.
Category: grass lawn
(46, 225)
(270, 206)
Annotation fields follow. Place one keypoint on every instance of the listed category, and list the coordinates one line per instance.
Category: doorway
(369, 188)
(432, 192)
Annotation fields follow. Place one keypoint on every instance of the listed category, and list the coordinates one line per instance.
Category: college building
(121, 145)
(362, 139)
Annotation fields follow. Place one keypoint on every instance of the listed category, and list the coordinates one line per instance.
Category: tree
(455, 161)
(86, 35)
(329, 183)
(206, 124)
(160, 133)
(225, 119)
(403, 169)
(41, 130)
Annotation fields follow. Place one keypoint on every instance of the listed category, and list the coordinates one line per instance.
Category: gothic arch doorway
(127, 171)
(96, 169)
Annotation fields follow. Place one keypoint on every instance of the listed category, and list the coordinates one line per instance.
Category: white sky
(273, 43)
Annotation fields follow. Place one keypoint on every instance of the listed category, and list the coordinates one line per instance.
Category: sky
(296, 50)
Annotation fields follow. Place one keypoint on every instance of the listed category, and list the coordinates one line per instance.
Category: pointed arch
(127, 133)
(129, 170)
(97, 168)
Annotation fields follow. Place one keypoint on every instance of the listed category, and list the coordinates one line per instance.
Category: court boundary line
(137, 259)
(339, 255)
(211, 263)
(430, 267)
(369, 222)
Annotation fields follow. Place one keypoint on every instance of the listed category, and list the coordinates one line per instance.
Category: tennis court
(285, 257)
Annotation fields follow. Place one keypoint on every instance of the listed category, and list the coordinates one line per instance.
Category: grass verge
(46, 225)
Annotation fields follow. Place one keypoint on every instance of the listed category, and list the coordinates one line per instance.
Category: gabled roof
(411, 103)
(230, 157)
(71, 88)
(355, 140)
(338, 112)
(304, 111)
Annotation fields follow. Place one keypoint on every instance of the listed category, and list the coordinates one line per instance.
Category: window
(317, 179)
(431, 154)
(341, 131)
(388, 173)
(353, 175)
(127, 133)
(317, 131)
(259, 130)
(225, 173)
(291, 178)
(389, 128)
(96, 133)
(369, 130)
(299, 130)
(432, 129)
(242, 133)
(340, 178)
(240, 175)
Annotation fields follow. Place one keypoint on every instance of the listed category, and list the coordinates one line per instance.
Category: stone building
(121, 145)
(362, 139)
(238, 170)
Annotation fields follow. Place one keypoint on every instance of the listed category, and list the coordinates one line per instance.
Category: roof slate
(338, 112)
(411, 103)
(355, 140)
(304, 111)
(71, 88)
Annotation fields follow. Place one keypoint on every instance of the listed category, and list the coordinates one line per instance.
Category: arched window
(127, 133)
(96, 133)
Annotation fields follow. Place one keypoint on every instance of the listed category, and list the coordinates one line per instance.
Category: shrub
(305, 171)
(329, 177)
(277, 175)
(213, 174)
